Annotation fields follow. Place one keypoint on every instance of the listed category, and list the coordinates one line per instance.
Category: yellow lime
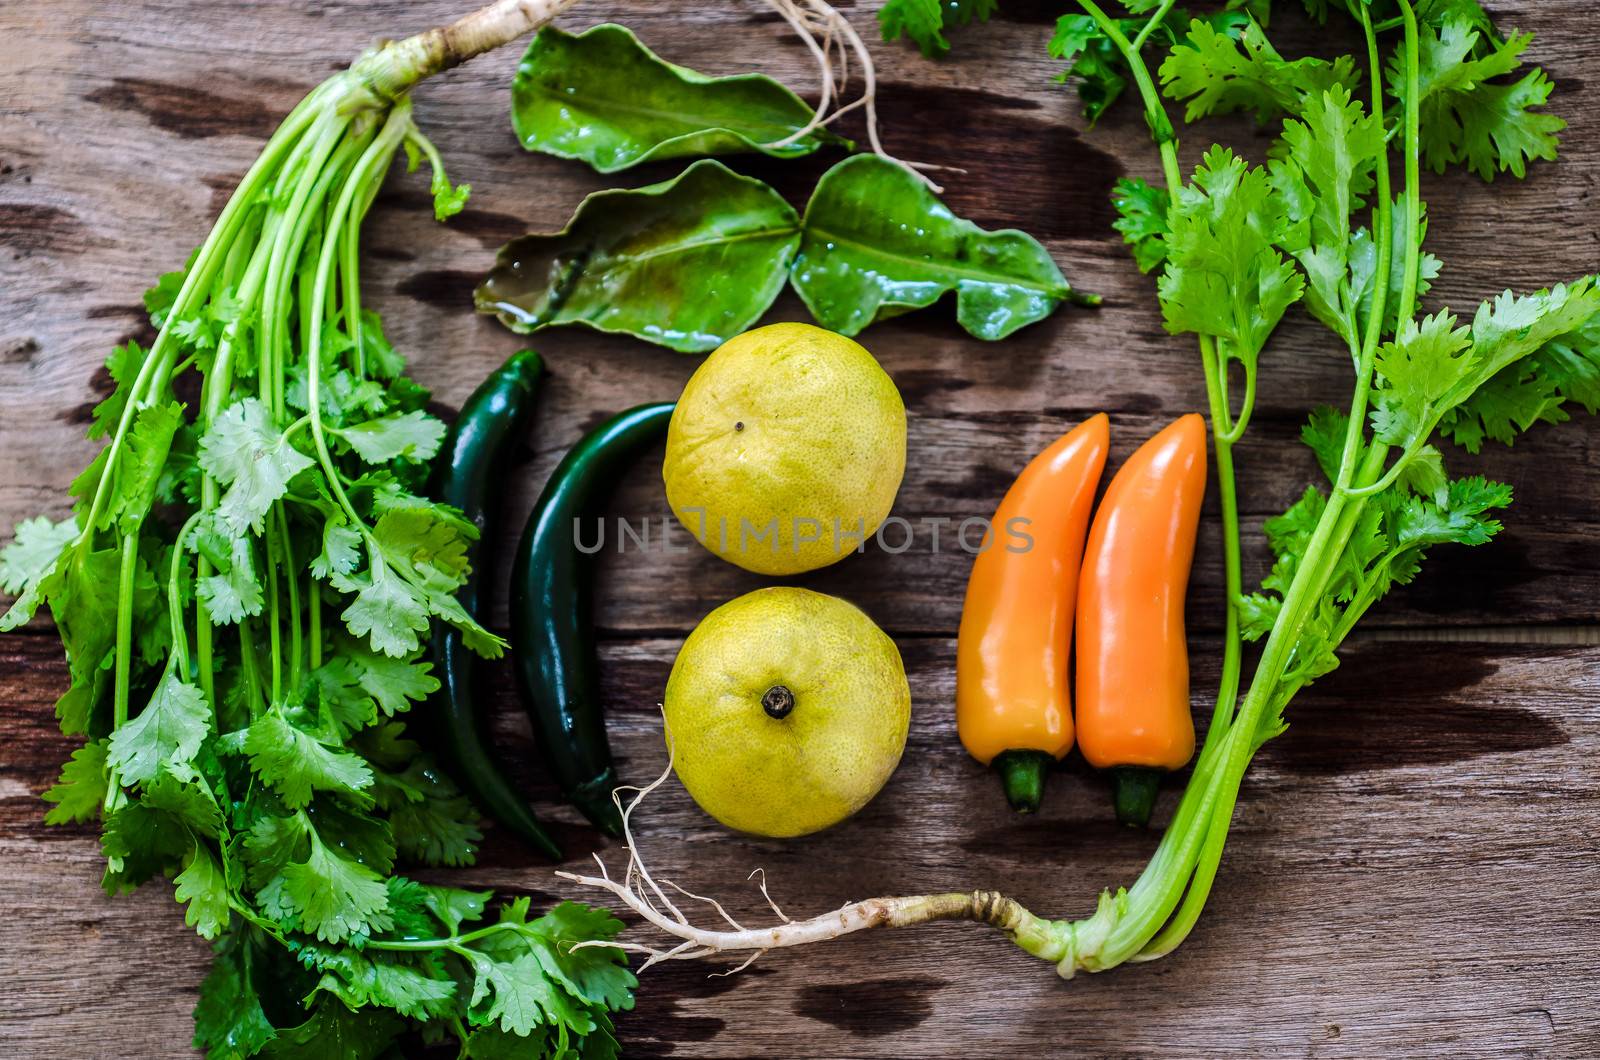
(787, 711)
(786, 449)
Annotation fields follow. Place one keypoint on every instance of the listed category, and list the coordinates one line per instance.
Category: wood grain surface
(1413, 867)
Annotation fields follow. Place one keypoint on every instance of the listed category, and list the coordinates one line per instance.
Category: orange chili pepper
(1133, 661)
(1013, 702)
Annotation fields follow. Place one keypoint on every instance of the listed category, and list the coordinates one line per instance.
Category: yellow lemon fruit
(786, 711)
(786, 449)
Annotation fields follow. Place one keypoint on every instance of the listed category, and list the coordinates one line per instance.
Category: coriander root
(1058, 942)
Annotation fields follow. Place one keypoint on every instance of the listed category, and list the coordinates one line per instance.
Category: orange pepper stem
(1133, 792)
(1022, 774)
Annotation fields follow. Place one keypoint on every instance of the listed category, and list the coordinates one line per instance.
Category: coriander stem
(292, 584)
(1156, 19)
(124, 667)
(1413, 219)
(207, 260)
(1155, 114)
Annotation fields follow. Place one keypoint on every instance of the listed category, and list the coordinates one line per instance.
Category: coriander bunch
(242, 590)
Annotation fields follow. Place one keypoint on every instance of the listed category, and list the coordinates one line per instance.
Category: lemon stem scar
(778, 701)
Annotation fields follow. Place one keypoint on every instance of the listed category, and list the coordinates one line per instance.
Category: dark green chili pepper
(470, 474)
(552, 626)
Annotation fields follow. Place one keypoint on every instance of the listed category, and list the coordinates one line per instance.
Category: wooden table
(1413, 866)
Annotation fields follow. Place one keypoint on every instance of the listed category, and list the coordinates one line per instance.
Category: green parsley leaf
(139, 842)
(434, 824)
(159, 300)
(394, 682)
(244, 452)
(596, 974)
(518, 995)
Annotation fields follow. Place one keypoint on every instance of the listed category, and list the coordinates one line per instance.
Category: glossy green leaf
(687, 263)
(604, 98)
(878, 242)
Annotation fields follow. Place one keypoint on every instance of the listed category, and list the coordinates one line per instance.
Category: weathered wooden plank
(115, 166)
(1409, 874)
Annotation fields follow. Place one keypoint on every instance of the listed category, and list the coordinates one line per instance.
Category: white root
(641, 893)
(814, 19)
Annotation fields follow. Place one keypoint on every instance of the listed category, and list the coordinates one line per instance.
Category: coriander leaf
(1324, 433)
(233, 593)
(358, 980)
(1536, 389)
(1224, 276)
(1459, 520)
(415, 539)
(387, 611)
(334, 898)
(1092, 60)
(1364, 267)
(355, 835)
(598, 975)
(1466, 116)
(36, 546)
(448, 199)
(177, 791)
(159, 300)
(333, 694)
(394, 683)
(167, 732)
(123, 366)
(295, 763)
(273, 842)
(411, 436)
(454, 906)
(433, 823)
(1142, 220)
(202, 887)
(1325, 174)
(923, 21)
(229, 1023)
(1504, 332)
(518, 995)
(81, 791)
(377, 354)
(334, 1032)
(140, 842)
(1218, 74)
(1419, 368)
(340, 550)
(244, 452)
